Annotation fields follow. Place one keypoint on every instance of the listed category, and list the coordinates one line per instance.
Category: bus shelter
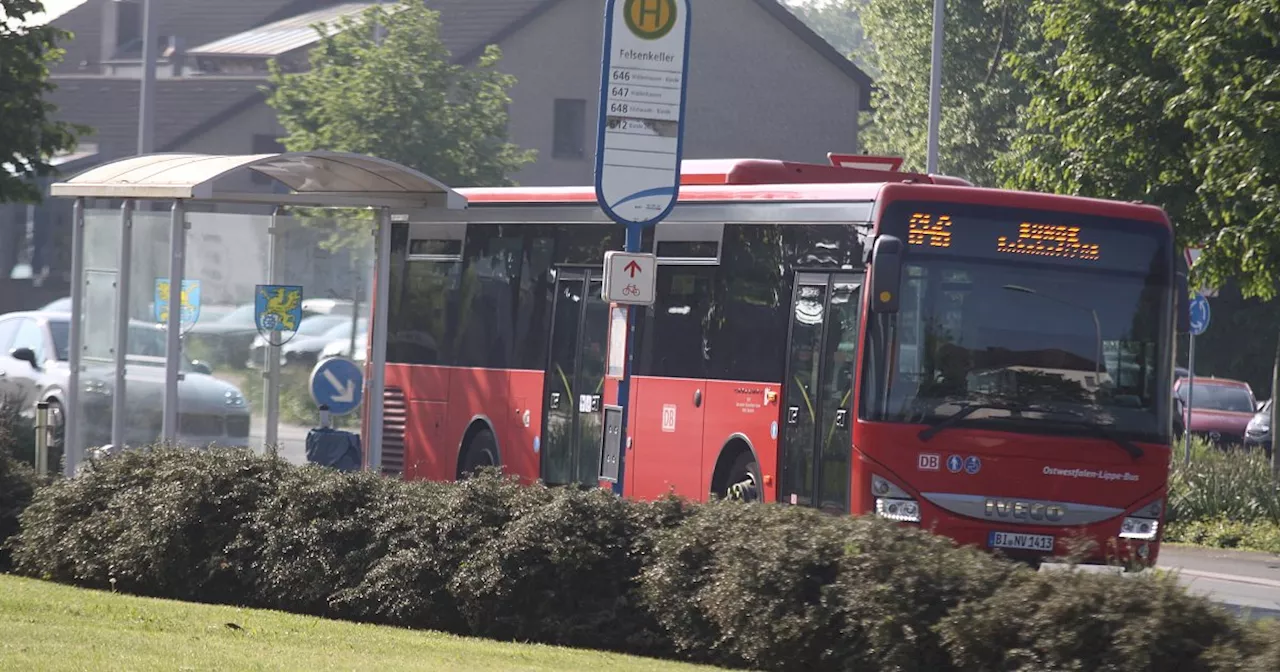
(235, 237)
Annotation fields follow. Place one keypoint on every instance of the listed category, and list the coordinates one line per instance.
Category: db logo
(930, 462)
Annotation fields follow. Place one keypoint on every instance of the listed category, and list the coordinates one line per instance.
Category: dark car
(34, 367)
(1258, 433)
(226, 340)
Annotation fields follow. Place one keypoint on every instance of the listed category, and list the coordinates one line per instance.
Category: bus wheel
(481, 452)
(743, 483)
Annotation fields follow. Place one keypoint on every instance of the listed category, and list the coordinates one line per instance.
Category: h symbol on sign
(650, 8)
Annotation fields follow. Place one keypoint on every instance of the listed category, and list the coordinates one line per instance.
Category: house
(761, 83)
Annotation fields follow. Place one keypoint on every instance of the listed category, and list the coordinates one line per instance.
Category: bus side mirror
(886, 274)
(1183, 309)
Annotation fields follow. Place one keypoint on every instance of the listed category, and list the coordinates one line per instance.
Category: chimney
(176, 53)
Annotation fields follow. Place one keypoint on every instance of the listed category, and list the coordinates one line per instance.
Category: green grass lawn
(46, 626)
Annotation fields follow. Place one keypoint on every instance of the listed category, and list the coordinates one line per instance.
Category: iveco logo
(1020, 510)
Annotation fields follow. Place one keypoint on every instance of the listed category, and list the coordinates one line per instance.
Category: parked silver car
(1258, 433)
(34, 367)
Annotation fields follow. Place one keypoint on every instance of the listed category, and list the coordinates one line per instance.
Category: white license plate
(1027, 542)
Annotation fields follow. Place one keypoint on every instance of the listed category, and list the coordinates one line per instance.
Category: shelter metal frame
(313, 179)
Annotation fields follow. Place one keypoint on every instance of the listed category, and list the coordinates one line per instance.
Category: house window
(264, 144)
(570, 129)
(128, 23)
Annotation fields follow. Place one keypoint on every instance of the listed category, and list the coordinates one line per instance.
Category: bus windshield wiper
(966, 409)
(1075, 418)
(1078, 419)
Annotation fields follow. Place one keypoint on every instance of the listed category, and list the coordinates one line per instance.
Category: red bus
(992, 365)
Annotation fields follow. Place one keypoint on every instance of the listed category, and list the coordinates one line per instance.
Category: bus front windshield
(1066, 335)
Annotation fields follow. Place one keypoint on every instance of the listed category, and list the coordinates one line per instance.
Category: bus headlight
(893, 502)
(1144, 524)
(901, 510)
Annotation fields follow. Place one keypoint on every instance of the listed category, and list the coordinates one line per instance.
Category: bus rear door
(574, 389)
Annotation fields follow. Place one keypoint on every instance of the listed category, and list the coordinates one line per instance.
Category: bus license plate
(1027, 542)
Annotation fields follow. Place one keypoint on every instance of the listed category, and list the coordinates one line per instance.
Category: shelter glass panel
(329, 255)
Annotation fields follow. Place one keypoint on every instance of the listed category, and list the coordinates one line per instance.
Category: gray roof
(281, 37)
(195, 21)
(184, 107)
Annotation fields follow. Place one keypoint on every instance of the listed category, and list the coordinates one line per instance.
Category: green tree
(401, 98)
(29, 136)
(981, 97)
(1169, 102)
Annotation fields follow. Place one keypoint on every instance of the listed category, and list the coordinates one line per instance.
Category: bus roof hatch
(845, 169)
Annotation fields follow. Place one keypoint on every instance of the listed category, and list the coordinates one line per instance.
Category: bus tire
(742, 479)
(480, 451)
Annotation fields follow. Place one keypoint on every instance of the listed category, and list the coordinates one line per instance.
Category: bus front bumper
(1097, 544)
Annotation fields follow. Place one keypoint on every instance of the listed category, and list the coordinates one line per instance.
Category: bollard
(324, 416)
(42, 438)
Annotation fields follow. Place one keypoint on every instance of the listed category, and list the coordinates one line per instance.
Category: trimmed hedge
(18, 481)
(769, 587)
(18, 484)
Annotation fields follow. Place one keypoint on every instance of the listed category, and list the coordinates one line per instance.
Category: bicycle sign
(629, 278)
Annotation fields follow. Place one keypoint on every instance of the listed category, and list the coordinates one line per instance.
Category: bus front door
(817, 410)
(573, 418)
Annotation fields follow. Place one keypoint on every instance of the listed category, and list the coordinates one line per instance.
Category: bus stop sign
(640, 131)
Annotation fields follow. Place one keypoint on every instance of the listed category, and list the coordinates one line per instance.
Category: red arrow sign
(633, 267)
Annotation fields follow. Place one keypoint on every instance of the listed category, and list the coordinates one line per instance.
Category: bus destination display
(1033, 236)
(1044, 240)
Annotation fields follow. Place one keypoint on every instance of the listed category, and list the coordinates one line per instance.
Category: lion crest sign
(277, 311)
(189, 300)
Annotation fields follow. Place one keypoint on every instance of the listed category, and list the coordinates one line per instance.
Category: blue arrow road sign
(337, 383)
(1199, 314)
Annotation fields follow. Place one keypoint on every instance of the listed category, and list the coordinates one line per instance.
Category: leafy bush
(315, 535)
(163, 523)
(17, 435)
(779, 587)
(771, 587)
(18, 484)
(1090, 621)
(1221, 533)
(1232, 485)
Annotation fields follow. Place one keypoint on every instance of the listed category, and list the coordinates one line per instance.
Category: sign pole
(1198, 316)
(639, 144)
(634, 234)
(1191, 388)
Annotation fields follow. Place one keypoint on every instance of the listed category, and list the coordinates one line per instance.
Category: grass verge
(45, 626)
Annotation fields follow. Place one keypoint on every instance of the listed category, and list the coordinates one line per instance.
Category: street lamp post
(147, 93)
(935, 87)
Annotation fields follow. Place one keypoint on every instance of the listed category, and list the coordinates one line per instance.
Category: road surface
(292, 439)
(1247, 583)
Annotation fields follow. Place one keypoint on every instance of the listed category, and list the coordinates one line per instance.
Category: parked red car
(1220, 408)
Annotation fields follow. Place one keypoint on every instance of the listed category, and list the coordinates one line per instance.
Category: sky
(53, 9)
